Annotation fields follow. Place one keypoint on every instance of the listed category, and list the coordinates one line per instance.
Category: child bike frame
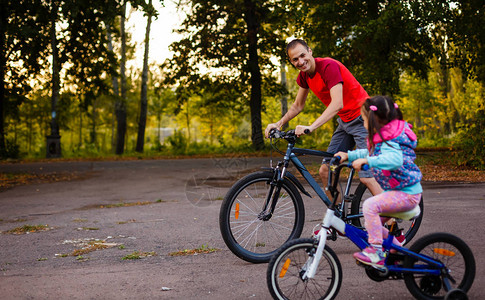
(446, 265)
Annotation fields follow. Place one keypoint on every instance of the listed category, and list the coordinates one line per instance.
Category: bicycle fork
(272, 196)
(330, 220)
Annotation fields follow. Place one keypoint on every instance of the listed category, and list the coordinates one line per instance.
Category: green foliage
(429, 51)
(470, 140)
(178, 142)
(374, 39)
(11, 150)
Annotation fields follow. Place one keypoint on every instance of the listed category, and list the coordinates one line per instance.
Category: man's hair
(294, 43)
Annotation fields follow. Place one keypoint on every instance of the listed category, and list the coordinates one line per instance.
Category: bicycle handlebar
(365, 167)
(290, 136)
(279, 134)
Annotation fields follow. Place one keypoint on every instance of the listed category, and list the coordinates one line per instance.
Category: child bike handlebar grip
(365, 167)
(335, 160)
(306, 131)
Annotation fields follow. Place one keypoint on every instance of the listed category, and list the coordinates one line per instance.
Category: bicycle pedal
(349, 198)
(380, 269)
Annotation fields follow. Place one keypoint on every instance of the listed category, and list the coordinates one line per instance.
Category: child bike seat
(404, 215)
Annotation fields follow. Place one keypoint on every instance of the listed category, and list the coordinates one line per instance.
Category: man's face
(302, 58)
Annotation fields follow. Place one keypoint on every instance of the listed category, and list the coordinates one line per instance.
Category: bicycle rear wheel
(408, 228)
(245, 232)
(448, 249)
(285, 270)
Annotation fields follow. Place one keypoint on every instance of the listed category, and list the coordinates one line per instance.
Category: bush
(11, 150)
(470, 141)
(177, 142)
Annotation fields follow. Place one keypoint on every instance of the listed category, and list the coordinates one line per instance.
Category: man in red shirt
(342, 95)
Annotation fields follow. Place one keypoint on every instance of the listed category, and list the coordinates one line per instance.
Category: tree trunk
(3, 62)
(284, 98)
(120, 106)
(116, 91)
(253, 25)
(53, 140)
(80, 141)
(143, 97)
(93, 134)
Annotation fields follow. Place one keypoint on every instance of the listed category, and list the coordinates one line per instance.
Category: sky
(161, 35)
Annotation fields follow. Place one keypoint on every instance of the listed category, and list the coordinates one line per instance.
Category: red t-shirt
(328, 73)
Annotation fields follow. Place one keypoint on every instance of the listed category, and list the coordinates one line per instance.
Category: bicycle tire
(458, 259)
(247, 236)
(286, 267)
(410, 228)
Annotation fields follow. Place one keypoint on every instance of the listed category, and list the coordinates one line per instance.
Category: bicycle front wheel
(407, 227)
(454, 253)
(286, 268)
(246, 233)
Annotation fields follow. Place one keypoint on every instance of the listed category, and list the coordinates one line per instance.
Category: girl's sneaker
(371, 256)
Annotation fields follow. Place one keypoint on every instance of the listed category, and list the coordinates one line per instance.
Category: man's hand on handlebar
(269, 128)
(301, 130)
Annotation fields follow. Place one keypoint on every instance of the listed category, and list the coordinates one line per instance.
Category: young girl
(391, 156)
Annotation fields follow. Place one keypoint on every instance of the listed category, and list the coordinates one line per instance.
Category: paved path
(32, 267)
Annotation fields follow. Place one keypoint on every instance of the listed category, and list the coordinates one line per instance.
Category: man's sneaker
(371, 256)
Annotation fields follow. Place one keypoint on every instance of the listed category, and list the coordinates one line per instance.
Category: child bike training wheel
(403, 229)
(459, 263)
(286, 268)
(247, 225)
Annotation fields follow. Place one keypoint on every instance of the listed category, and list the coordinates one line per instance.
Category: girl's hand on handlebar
(358, 163)
(343, 156)
(301, 130)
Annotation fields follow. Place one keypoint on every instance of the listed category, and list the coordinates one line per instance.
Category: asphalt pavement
(154, 208)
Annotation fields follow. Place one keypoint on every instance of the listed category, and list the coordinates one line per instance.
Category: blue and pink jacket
(392, 160)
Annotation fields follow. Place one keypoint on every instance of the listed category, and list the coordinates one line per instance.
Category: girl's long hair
(383, 112)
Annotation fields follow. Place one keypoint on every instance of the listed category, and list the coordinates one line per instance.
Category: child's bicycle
(437, 266)
(263, 210)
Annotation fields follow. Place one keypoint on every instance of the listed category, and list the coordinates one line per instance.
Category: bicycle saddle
(404, 215)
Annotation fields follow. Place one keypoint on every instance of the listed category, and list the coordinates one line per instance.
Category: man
(342, 95)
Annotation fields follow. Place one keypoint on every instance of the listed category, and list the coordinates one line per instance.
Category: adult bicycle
(437, 266)
(264, 209)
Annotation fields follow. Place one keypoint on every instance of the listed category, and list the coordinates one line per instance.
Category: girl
(391, 156)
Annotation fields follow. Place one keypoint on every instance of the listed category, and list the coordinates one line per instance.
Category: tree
(377, 40)
(234, 40)
(53, 140)
(465, 32)
(149, 12)
(24, 42)
(120, 104)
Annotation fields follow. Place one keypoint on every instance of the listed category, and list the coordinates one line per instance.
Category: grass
(126, 222)
(89, 228)
(90, 247)
(204, 249)
(123, 204)
(28, 229)
(87, 247)
(138, 255)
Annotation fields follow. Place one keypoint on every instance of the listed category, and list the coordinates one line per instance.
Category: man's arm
(294, 110)
(337, 103)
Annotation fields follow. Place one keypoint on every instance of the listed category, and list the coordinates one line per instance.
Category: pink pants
(386, 202)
